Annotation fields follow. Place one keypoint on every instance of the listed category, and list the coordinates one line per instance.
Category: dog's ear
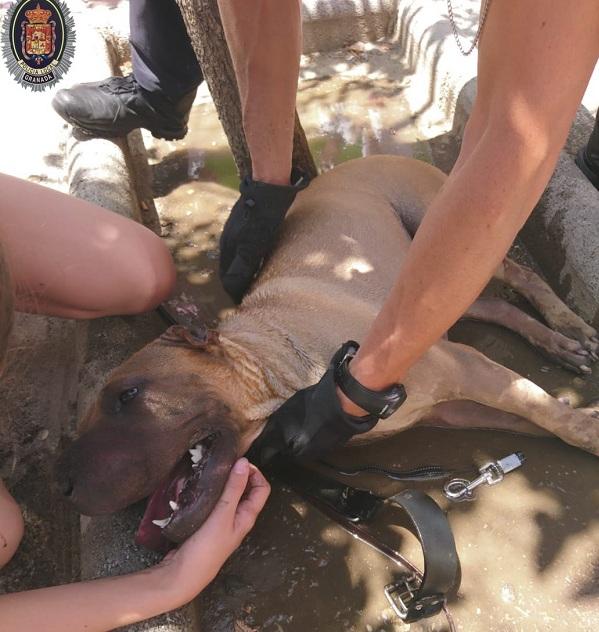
(196, 338)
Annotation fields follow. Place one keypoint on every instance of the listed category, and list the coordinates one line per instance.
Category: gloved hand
(310, 423)
(250, 231)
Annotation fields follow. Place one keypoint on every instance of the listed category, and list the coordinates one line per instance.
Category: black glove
(250, 231)
(310, 423)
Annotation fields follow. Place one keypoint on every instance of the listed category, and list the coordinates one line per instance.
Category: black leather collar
(416, 597)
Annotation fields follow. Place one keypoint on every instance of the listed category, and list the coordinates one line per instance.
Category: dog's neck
(271, 364)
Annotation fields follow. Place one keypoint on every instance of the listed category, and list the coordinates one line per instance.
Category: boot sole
(160, 134)
(163, 134)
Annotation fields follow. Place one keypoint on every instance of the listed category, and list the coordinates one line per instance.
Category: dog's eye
(129, 394)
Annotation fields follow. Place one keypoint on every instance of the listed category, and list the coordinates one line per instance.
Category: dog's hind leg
(565, 351)
(472, 415)
(469, 375)
(557, 314)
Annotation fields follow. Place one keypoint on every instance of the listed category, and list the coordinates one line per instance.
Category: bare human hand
(111, 602)
(196, 562)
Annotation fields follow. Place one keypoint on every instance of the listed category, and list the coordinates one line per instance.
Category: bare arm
(534, 63)
(264, 37)
(98, 605)
(105, 604)
(74, 259)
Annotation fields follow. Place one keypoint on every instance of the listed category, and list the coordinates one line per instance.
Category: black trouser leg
(588, 157)
(161, 52)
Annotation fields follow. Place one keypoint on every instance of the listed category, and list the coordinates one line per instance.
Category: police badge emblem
(38, 41)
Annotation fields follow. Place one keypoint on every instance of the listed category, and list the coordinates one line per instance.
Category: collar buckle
(407, 604)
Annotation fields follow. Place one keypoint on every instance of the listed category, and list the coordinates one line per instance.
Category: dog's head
(167, 426)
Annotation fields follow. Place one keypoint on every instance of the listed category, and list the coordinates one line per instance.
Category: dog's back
(342, 245)
(344, 228)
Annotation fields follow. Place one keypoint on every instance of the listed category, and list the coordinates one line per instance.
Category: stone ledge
(563, 236)
(333, 24)
(327, 25)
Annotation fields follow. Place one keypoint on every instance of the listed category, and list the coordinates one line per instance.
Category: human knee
(11, 527)
(139, 277)
(152, 280)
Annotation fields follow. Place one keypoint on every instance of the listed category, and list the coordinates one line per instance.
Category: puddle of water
(297, 571)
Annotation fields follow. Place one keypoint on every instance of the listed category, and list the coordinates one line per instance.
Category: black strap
(416, 600)
(420, 473)
(418, 594)
(381, 404)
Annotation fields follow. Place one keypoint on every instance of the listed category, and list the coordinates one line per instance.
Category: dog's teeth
(161, 523)
(173, 505)
(196, 453)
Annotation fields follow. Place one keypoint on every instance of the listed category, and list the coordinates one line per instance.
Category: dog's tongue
(148, 534)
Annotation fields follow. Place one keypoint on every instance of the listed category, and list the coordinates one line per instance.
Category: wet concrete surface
(528, 546)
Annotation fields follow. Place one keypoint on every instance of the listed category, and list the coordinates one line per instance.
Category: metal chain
(481, 23)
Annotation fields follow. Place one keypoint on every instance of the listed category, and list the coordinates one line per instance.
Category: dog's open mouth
(183, 501)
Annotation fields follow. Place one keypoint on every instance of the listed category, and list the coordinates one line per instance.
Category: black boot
(587, 158)
(117, 105)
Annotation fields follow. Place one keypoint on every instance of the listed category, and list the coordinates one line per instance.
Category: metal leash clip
(461, 489)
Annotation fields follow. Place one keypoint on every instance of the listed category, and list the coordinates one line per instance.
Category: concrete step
(333, 24)
(327, 24)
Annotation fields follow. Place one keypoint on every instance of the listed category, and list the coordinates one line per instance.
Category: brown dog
(338, 255)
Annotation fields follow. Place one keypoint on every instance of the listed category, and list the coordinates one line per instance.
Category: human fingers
(233, 491)
(253, 501)
(216, 539)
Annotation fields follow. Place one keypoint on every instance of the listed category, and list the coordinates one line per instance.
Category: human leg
(161, 53)
(157, 96)
(11, 525)
(73, 259)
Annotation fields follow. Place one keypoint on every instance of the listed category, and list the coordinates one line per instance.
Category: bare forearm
(264, 37)
(531, 80)
(460, 242)
(94, 606)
